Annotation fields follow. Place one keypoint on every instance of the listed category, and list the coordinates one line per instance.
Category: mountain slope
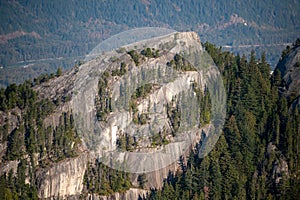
(57, 132)
(45, 154)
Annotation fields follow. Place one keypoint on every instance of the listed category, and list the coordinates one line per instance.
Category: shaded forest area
(260, 136)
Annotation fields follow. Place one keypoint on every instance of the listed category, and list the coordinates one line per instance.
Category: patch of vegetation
(121, 71)
(103, 99)
(174, 115)
(13, 186)
(140, 93)
(21, 96)
(135, 57)
(133, 108)
(126, 142)
(181, 64)
(204, 100)
(59, 72)
(143, 118)
(143, 91)
(150, 53)
(289, 48)
(142, 180)
(52, 143)
(102, 180)
(31, 136)
(159, 138)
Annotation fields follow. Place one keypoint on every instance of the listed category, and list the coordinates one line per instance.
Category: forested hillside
(43, 36)
(257, 157)
(29, 142)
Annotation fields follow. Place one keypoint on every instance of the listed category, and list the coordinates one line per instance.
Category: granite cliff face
(289, 67)
(65, 178)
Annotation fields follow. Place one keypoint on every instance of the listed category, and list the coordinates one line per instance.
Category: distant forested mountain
(35, 35)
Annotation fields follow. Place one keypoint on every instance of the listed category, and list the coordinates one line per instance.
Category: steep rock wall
(64, 178)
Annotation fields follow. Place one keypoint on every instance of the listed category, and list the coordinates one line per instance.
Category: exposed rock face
(65, 178)
(290, 71)
(280, 166)
(296, 103)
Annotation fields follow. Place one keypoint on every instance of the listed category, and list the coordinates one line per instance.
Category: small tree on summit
(59, 72)
(297, 43)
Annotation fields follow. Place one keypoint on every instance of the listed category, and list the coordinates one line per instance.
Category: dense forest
(260, 136)
(256, 157)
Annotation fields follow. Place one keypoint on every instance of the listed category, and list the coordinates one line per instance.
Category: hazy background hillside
(37, 37)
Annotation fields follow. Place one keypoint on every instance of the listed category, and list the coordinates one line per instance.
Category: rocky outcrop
(280, 169)
(63, 179)
(289, 67)
(66, 178)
